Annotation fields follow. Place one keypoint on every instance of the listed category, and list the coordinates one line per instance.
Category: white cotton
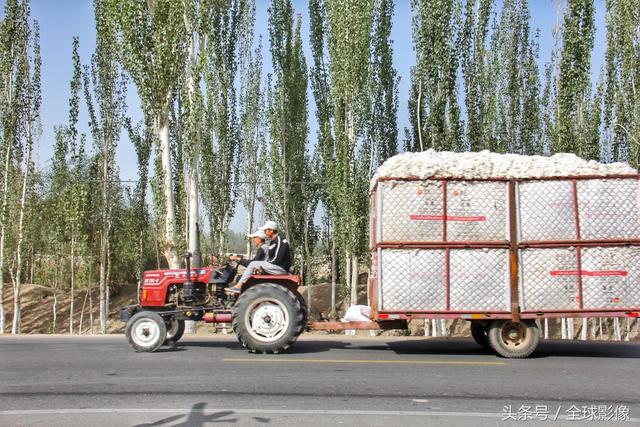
(485, 164)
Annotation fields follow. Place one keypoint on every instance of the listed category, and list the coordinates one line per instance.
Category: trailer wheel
(514, 340)
(175, 330)
(480, 334)
(146, 331)
(268, 318)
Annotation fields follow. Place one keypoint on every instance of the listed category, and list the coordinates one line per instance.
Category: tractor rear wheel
(175, 330)
(146, 331)
(268, 318)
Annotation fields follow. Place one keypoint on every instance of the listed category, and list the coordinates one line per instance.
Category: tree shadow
(194, 418)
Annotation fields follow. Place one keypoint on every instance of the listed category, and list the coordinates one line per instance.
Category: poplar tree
(30, 65)
(621, 81)
(326, 147)
(574, 102)
(287, 123)
(349, 30)
(433, 104)
(105, 92)
(231, 22)
(382, 129)
(252, 137)
(477, 73)
(516, 120)
(196, 18)
(14, 40)
(153, 37)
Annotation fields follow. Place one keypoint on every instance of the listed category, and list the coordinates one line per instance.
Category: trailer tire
(268, 318)
(175, 330)
(146, 331)
(514, 340)
(480, 334)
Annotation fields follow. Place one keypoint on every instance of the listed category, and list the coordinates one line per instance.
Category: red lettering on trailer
(478, 218)
(597, 273)
(565, 272)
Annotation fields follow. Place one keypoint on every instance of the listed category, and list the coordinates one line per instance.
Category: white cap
(269, 225)
(258, 233)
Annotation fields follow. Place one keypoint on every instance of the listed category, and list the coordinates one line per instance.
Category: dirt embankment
(38, 305)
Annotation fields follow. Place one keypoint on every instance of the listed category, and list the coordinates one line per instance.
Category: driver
(278, 257)
(259, 239)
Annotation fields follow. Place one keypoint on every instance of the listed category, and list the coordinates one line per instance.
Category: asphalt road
(323, 380)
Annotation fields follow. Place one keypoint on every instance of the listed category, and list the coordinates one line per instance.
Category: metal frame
(514, 245)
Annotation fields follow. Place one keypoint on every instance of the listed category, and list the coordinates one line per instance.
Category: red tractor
(267, 316)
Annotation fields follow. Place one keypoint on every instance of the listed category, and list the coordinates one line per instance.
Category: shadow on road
(550, 348)
(194, 418)
(434, 346)
(300, 347)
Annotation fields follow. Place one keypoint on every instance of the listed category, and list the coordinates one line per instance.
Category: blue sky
(61, 20)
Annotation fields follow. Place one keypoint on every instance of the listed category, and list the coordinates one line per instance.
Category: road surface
(323, 380)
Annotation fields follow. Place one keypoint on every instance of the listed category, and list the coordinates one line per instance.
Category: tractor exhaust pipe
(187, 288)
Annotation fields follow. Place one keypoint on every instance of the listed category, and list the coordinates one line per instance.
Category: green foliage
(622, 74)
(381, 141)
(516, 123)
(287, 115)
(219, 174)
(477, 73)
(574, 104)
(433, 104)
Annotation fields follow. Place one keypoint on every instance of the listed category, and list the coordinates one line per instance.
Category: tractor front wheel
(146, 331)
(268, 318)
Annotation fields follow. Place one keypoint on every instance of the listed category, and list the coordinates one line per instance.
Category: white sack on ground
(485, 164)
(357, 313)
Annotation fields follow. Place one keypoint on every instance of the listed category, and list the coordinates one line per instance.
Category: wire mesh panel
(477, 211)
(411, 211)
(611, 277)
(412, 279)
(608, 208)
(546, 210)
(479, 279)
(549, 279)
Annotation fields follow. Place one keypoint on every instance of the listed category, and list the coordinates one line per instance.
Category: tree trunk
(334, 276)
(194, 246)
(354, 279)
(5, 192)
(104, 236)
(55, 312)
(306, 258)
(23, 200)
(5, 197)
(419, 113)
(585, 329)
(73, 278)
(249, 230)
(91, 313)
(347, 272)
(169, 245)
(84, 304)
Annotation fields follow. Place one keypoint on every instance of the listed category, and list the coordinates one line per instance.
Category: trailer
(504, 253)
